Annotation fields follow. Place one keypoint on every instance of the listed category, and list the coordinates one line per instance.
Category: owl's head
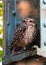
(30, 22)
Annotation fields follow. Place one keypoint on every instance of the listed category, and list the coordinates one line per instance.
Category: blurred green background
(1, 31)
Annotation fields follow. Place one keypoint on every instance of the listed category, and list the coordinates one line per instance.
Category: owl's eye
(24, 21)
(30, 21)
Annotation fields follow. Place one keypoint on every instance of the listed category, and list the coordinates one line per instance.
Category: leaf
(1, 42)
(1, 31)
(0, 11)
(0, 56)
(0, 59)
(0, 3)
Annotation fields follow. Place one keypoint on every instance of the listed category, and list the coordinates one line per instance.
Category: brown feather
(25, 33)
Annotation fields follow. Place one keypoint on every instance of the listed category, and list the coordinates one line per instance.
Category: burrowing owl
(24, 34)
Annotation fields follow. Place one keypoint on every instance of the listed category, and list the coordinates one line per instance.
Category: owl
(24, 34)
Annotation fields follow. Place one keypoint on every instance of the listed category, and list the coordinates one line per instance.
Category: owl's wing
(18, 35)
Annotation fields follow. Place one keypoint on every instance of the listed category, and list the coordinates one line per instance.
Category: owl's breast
(29, 35)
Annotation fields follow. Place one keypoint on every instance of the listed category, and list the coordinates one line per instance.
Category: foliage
(0, 11)
(0, 30)
(0, 4)
(0, 41)
(0, 56)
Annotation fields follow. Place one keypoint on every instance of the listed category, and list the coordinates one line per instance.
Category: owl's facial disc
(32, 24)
(29, 21)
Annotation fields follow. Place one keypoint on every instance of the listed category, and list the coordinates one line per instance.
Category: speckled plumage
(25, 33)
